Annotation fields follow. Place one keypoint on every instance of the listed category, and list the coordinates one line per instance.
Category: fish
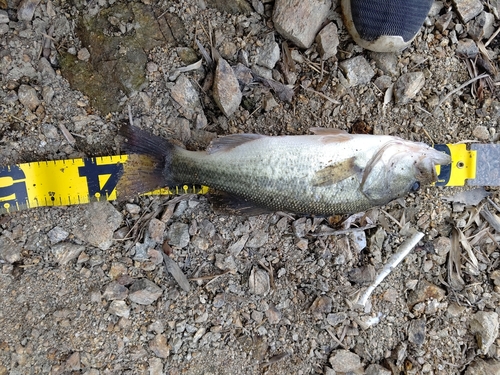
(329, 172)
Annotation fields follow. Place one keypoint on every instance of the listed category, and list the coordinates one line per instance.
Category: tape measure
(68, 182)
(79, 181)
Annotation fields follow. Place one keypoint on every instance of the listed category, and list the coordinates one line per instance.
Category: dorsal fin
(327, 131)
(229, 142)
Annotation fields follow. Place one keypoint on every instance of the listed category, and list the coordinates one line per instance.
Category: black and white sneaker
(384, 25)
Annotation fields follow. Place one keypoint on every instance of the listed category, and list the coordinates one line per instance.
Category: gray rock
(344, 361)
(467, 48)
(481, 132)
(232, 6)
(357, 71)
(386, 61)
(159, 346)
(4, 28)
(98, 222)
(226, 89)
(178, 235)
(83, 54)
(273, 315)
(225, 263)
(442, 246)
(336, 318)
(176, 272)
(185, 93)
(26, 9)
(484, 324)
(383, 82)
(376, 369)
(328, 41)
(321, 305)
(144, 292)
(481, 367)
(115, 291)
(423, 292)
(362, 275)
(4, 17)
(259, 282)
(407, 87)
(57, 234)
(156, 229)
(258, 239)
(443, 21)
(468, 9)
(300, 20)
(483, 26)
(9, 250)
(28, 97)
(417, 331)
(236, 247)
(65, 252)
(155, 366)
(269, 53)
(119, 308)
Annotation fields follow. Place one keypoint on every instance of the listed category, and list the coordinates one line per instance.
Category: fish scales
(278, 173)
(328, 173)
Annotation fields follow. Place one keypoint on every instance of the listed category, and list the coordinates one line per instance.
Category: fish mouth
(426, 166)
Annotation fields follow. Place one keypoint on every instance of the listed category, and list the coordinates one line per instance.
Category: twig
(321, 94)
(492, 37)
(392, 263)
(472, 80)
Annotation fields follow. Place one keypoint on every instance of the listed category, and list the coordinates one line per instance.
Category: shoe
(384, 25)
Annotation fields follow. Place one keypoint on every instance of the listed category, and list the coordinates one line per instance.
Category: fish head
(398, 168)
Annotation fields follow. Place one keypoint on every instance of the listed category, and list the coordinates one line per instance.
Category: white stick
(392, 263)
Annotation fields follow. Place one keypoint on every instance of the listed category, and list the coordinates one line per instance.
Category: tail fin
(149, 164)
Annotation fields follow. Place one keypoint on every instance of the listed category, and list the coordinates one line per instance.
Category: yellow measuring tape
(79, 181)
(67, 182)
(461, 168)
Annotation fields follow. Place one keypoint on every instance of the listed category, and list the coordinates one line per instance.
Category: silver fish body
(330, 172)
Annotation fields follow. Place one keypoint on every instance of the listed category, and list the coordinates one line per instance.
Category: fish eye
(415, 186)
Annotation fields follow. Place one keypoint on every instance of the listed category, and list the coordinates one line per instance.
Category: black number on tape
(91, 170)
(17, 189)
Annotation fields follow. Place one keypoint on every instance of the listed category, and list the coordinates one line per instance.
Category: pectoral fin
(335, 173)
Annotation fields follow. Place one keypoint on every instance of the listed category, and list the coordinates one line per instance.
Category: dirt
(269, 294)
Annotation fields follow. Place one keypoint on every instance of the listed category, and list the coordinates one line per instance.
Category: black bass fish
(330, 172)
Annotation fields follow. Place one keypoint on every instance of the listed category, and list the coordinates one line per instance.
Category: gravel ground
(85, 289)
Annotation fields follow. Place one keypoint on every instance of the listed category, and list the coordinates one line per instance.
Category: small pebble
(28, 97)
(468, 9)
(357, 71)
(259, 281)
(159, 346)
(328, 41)
(119, 308)
(407, 87)
(300, 20)
(484, 324)
(178, 235)
(481, 132)
(83, 54)
(344, 361)
(226, 89)
(144, 292)
(115, 291)
(65, 252)
(321, 305)
(417, 331)
(9, 250)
